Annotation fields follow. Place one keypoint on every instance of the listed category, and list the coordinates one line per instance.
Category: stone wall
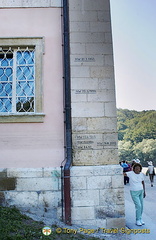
(96, 178)
(32, 190)
(94, 123)
(97, 196)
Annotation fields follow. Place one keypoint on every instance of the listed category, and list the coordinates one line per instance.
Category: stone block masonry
(32, 190)
(96, 178)
(97, 196)
(92, 83)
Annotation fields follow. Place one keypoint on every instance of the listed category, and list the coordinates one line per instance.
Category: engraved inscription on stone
(85, 59)
(106, 143)
(89, 136)
(90, 142)
(85, 91)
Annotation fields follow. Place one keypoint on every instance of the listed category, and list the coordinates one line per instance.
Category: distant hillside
(137, 135)
(135, 126)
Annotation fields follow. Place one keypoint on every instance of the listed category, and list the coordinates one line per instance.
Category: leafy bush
(16, 226)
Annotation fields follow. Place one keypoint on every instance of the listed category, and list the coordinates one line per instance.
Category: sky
(134, 45)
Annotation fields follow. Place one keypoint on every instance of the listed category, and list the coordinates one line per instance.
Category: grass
(16, 226)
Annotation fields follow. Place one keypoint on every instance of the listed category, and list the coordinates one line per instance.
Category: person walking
(137, 190)
(151, 172)
(126, 168)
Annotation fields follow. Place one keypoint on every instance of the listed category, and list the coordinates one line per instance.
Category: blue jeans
(137, 197)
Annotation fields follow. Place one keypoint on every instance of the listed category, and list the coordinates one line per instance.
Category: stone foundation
(97, 195)
(32, 190)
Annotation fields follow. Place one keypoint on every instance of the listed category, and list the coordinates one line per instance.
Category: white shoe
(142, 222)
(138, 223)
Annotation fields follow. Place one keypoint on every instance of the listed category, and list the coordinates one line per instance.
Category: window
(20, 79)
(17, 76)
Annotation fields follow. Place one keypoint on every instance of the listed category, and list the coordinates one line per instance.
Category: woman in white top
(137, 190)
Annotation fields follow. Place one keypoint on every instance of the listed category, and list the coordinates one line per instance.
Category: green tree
(137, 135)
(143, 127)
(125, 149)
(135, 126)
(146, 151)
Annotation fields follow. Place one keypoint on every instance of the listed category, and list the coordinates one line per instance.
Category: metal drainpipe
(68, 131)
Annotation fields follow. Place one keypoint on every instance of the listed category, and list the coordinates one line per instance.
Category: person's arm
(143, 183)
(124, 173)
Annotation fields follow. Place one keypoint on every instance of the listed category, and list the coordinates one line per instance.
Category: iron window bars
(17, 80)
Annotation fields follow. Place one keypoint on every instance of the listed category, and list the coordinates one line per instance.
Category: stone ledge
(24, 172)
(101, 170)
(32, 172)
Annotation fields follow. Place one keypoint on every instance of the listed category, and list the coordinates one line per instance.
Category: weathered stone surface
(37, 184)
(117, 222)
(92, 82)
(101, 124)
(87, 109)
(78, 171)
(98, 182)
(37, 191)
(85, 197)
(95, 197)
(99, 195)
(82, 213)
(78, 183)
(112, 197)
(7, 184)
(24, 172)
(95, 157)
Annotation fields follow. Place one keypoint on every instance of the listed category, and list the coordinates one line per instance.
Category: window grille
(17, 80)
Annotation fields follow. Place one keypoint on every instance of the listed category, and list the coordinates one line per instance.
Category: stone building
(58, 111)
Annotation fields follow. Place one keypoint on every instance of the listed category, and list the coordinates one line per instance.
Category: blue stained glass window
(25, 72)
(5, 105)
(5, 89)
(17, 70)
(25, 88)
(25, 57)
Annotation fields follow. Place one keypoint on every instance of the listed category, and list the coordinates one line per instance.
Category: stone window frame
(38, 44)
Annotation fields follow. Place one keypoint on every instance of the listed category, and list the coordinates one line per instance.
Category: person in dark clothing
(126, 168)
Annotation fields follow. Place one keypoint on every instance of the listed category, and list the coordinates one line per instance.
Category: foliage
(137, 135)
(135, 126)
(146, 150)
(16, 226)
(125, 150)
